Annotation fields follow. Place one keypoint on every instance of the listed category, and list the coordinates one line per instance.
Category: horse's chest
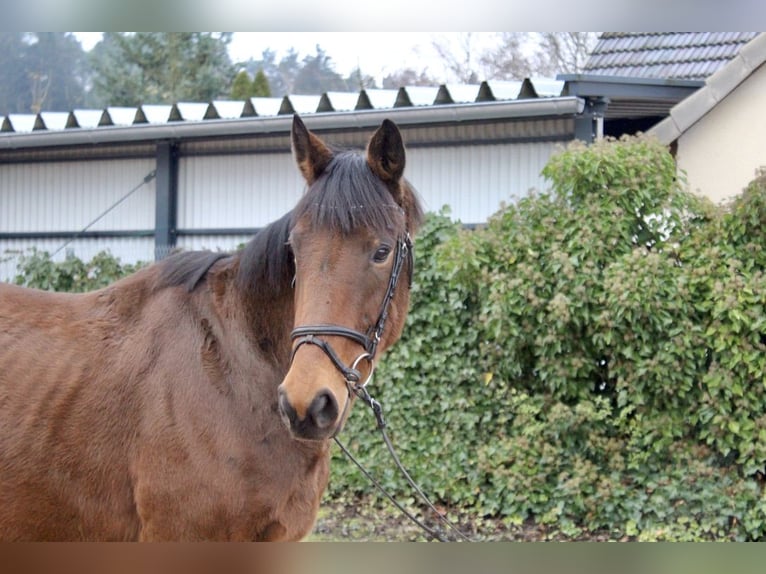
(297, 498)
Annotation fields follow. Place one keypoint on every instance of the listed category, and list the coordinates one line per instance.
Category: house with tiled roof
(718, 134)
(670, 55)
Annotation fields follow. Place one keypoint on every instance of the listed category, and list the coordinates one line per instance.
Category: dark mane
(267, 260)
(187, 268)
(348, 196)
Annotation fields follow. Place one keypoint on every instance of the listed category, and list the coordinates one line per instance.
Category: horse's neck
(268, 312)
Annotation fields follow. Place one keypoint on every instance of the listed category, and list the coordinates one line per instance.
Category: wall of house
(722, 151)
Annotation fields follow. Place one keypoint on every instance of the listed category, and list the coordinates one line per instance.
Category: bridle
(369, 341)
(312, 335)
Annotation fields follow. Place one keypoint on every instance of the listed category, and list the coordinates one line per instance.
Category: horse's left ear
(385, 153)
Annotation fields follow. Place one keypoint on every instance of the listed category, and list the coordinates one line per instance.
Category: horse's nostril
(323, 409)
(285, 408)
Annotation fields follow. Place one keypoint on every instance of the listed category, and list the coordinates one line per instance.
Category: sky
(376, 53)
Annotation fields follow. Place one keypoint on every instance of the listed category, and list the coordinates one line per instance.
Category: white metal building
(143, 181)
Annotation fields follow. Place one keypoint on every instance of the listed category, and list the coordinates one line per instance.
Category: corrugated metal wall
(252, 190)
(65, 197)
(236, 191)
(238, 184)
(475, 180)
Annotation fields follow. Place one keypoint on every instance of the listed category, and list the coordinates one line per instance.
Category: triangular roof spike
(363, 101)
(71, 121)
(248, 110)
(39, 124)
(402, 99)
(140, 117)
(443, 96)
(175, 114)
(325, 105)
(485, 93)
(286, 108)
(7, 125)
(106, 119)
(211, 113)
(527, 91)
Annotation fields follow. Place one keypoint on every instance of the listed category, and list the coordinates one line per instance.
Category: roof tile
(676, 55)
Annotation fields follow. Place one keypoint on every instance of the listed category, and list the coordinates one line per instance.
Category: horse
(196, 398)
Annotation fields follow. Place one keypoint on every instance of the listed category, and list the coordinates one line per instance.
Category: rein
(312, 335)
(361, 392)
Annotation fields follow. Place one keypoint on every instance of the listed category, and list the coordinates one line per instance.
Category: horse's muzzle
(320, 420)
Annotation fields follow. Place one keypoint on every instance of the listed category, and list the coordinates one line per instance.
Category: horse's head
(351, 240)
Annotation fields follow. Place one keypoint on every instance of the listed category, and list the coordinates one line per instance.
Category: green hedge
(592, 359)
(37, 269)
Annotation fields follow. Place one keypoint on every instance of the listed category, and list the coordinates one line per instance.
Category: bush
(37, 269)
(592, 359)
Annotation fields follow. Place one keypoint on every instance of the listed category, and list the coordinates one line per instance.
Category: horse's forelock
(349, 196)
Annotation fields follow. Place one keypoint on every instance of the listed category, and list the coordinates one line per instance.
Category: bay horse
(196, 398)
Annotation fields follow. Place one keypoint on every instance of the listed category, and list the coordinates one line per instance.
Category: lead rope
(377, 409)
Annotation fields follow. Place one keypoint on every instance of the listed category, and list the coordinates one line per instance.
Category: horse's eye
(381, 254)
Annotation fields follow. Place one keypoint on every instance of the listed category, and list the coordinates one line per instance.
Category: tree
(459, 59)
(317, 75)
(58, 73)
(261, 85)
(513, 55)
(408, 77)
(565, 52)
(288, 69)
(12, 88)
(41, 71)
(245, 87)
(161, 67)
(357, 80)
(508, 60)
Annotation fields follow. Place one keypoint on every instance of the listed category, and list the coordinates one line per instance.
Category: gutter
(409, 116)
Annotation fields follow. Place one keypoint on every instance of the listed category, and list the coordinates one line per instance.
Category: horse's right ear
(310, 152)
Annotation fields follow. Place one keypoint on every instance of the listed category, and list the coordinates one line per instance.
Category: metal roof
(690, 110)
(413, 105)
(679, 55)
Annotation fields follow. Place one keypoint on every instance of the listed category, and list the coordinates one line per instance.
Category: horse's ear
(310, 152)
(385, 153)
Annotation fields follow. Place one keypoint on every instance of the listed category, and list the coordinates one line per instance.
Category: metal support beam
(589, 125)
(166, 200)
